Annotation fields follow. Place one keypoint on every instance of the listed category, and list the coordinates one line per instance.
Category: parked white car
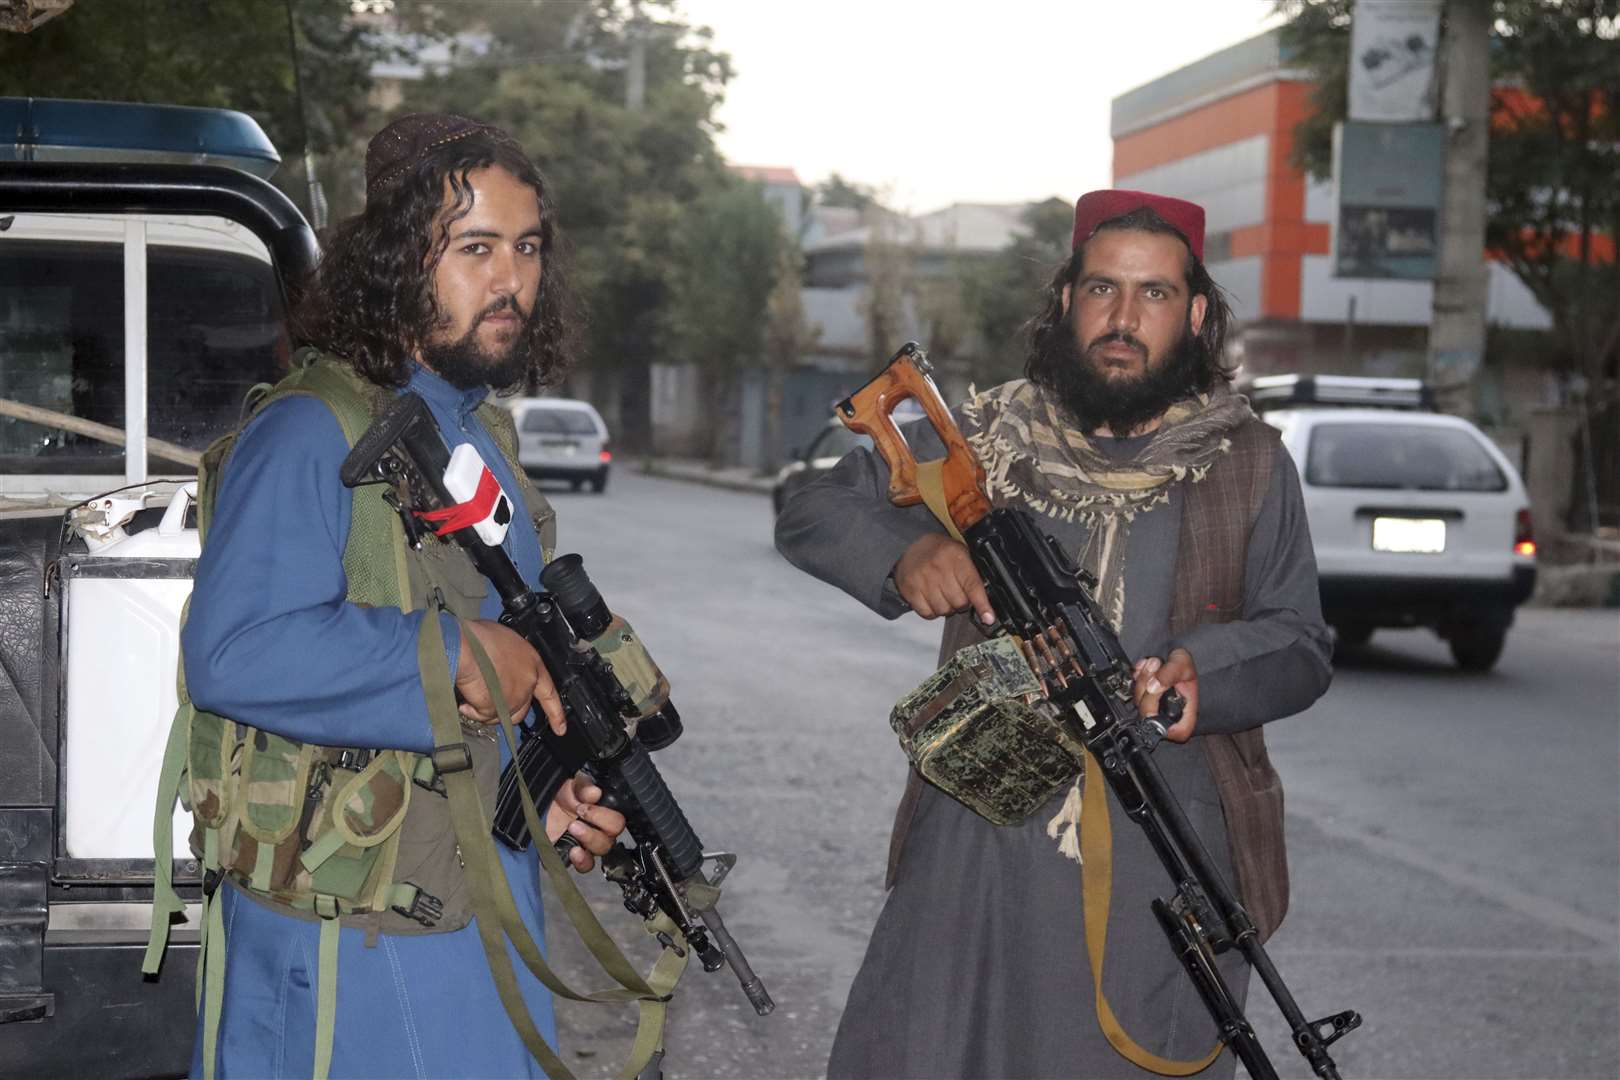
(562, 439)
(1416, 517)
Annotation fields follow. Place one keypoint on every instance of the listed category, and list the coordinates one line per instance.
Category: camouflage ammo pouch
(327, 831)
(980, 730)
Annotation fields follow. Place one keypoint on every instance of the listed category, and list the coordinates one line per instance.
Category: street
(1454, 839)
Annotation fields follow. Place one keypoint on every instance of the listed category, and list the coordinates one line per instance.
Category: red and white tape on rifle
(483, 506)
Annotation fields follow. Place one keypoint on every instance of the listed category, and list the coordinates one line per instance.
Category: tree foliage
(1003, 293)
(1552, 196)
(837, 191)
(728, 251)
(555, 76)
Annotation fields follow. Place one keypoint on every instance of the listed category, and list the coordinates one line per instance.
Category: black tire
(599, 482)
(575, 485)
(1477, 648)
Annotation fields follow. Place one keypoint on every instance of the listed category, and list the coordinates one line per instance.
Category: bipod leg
(1187, 939)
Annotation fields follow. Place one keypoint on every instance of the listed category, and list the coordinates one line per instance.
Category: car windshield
(544, 421)
(836, 441)
(213, 329)
(1417, 457)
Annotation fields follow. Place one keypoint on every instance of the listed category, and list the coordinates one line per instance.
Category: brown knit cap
(400, 146)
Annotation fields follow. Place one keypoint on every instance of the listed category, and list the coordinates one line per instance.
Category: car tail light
(1524, 538)
(606, 455)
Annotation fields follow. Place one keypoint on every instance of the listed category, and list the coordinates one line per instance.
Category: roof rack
(50, 129)
(1291, 391)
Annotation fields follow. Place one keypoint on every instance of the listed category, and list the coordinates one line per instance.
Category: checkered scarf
(1032, 455)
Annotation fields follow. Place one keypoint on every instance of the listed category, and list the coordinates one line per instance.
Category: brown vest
(1217, 517)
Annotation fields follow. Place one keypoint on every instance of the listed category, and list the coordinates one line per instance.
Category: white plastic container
(123, 642)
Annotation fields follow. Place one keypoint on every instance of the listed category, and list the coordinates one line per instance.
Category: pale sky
(942, 101)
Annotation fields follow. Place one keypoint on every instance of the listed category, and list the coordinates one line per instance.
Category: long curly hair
(371, 299)
(1045, 331)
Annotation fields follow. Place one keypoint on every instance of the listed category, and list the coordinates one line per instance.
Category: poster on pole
(1389, 179)
(1393, 74)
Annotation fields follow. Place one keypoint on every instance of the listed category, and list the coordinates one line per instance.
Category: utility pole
(1461, 285)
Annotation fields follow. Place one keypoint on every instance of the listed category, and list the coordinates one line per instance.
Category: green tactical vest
(389, 841)
(312, 829)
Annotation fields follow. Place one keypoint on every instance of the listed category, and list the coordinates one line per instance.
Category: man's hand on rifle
(524, 679)
(936, 577)
(577, 811)
(1154, 676)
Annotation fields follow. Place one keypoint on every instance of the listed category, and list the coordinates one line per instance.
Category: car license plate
(1409, 536)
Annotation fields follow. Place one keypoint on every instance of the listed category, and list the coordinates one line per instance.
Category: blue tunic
(271, 641)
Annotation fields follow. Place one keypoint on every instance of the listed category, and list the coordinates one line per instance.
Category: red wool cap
(1096, 207)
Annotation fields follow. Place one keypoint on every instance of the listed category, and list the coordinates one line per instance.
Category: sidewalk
(736, 477)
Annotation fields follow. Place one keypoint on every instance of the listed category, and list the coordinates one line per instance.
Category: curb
(751, 485)
(1588, 585)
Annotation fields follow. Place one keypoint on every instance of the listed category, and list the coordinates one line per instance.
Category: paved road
(1455, 839)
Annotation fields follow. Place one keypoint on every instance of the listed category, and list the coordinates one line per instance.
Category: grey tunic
(978, 964)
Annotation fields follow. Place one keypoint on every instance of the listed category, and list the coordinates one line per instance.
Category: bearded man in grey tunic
(1128, 445)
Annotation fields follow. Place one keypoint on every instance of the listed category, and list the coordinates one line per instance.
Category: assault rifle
(568, 625)
(1045, 603)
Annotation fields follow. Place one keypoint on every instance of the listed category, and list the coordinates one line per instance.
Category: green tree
(837, 191)
(1001, 294)
(222, 53)
(1552, 197)
(890, 259)
(789, 337)
(556, 76)
(728, 250)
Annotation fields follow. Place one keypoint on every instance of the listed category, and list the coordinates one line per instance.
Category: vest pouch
(208, 765)
(460, 583)
(274, 780)
(348, 851)
(371, 805)
(980, 730)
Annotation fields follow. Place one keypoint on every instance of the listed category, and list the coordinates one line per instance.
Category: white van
(1416, 517)
(562, 439)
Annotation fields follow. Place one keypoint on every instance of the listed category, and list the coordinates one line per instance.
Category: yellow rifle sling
(1097, 883)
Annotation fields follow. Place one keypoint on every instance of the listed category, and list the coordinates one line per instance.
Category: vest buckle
(424, 907)
(452, 758)
(354, 760)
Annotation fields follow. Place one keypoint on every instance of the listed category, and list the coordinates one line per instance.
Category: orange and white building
(1219, 132)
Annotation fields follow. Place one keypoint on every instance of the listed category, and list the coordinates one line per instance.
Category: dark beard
(1095, 402)
(465, 364)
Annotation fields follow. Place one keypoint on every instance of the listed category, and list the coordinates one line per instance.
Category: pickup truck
(145, 265)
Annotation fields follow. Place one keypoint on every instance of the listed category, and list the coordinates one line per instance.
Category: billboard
(1389, 179)
(1393, 44)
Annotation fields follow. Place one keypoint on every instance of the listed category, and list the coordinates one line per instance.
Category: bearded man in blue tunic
(446, 285)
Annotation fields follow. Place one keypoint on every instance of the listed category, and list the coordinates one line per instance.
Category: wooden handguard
(869, 411)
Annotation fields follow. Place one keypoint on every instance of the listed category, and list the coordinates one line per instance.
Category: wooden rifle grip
(870, 411)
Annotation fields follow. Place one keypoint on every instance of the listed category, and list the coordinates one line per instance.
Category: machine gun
(569, 626)
(1044, 602)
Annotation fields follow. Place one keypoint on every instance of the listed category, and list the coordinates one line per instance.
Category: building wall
(1268, 227)
(1230, 155)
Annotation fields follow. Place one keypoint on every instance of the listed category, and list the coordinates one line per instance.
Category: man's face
(486, 282)
(1130, 307)
(1133, 351)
